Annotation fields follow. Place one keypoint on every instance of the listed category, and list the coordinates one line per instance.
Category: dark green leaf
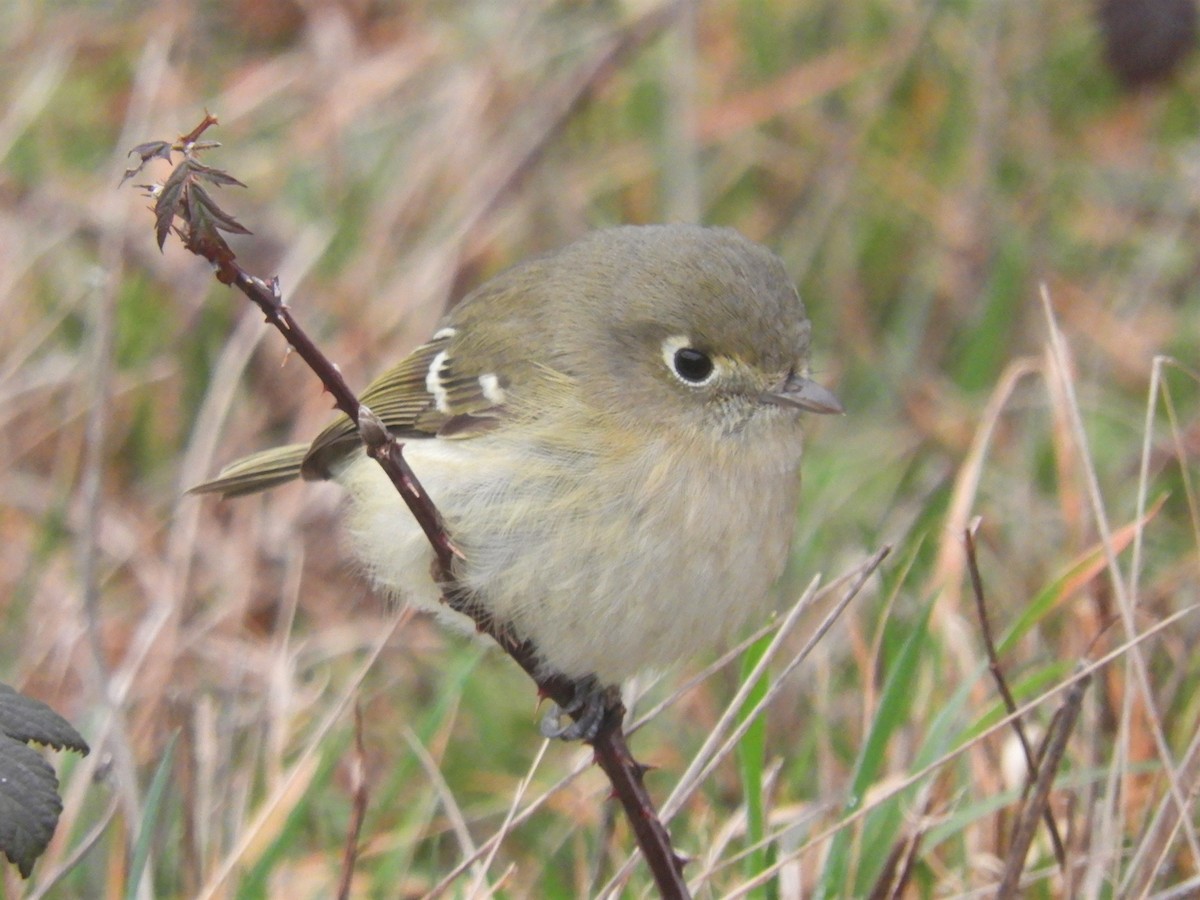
(202, 201)
(171, 202)
(218, 177)
(29, 803)
(25, 719)
(146, 152)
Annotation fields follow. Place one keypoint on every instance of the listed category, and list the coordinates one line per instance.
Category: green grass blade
(751, 757)
(150, 813)
(894, 709)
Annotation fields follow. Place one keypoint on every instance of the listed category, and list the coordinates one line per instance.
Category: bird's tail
(257, 472)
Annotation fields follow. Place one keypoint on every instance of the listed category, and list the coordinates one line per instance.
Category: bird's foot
(580, 719)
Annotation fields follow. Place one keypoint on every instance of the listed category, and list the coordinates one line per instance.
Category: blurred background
(944, 180)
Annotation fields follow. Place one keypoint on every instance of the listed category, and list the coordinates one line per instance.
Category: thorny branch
(183, 206)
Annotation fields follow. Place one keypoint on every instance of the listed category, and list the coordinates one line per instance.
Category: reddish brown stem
(200, 236)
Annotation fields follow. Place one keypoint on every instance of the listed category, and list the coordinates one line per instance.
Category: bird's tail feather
(257, 472)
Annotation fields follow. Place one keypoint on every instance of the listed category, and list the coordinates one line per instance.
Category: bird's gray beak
(798, 391)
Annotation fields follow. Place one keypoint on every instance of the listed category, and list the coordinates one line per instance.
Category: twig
(1050, 756)
(362, 792)
(898, 869)
(1010, 704)
(184, 207)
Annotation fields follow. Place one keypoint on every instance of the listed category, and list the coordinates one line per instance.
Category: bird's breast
(611, 562)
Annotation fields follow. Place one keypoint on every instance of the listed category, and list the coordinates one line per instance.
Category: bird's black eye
(692, 365)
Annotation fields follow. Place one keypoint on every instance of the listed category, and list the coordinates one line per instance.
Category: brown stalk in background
(362, 795)
(184, 206)
(1010, 703)
(1037, 788)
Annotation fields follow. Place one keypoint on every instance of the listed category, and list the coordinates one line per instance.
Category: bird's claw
(582, 715)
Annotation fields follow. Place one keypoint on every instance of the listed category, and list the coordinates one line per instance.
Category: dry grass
(999, 252)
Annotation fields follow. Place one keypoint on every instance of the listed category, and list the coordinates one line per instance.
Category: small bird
(612, 434)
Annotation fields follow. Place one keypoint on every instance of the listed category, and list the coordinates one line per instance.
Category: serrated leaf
(202, 201)
(171, 201)
(203, 237)
(218, 177)
(25, 719)
(146, 152)
(29, 803)
(151, 150)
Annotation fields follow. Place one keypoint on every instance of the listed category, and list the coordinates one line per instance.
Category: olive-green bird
(613, 435)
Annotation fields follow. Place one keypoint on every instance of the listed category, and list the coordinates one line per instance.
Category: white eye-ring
(693, 367)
